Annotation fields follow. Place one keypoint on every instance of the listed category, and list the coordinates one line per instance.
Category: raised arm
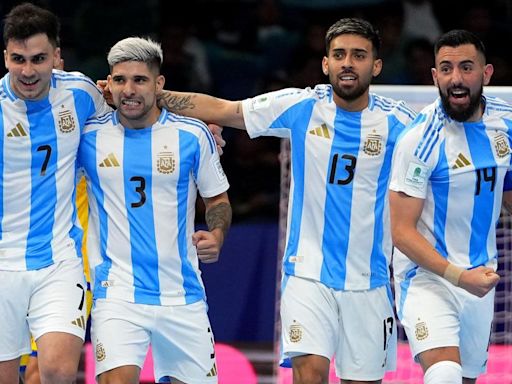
(218, 219)
(204, 107)
(405, 212)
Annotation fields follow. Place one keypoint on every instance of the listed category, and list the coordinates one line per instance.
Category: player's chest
(159, 158)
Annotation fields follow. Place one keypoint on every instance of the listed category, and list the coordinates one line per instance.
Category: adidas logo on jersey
(17, 131)
(109, 161)
(321, 131)
(461, 161)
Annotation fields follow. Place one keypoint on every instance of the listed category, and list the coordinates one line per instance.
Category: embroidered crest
(501, 145)
(165, 162)
(295, 333)
(421, 331)
(373, 144)
(100, 352)
(66, 121)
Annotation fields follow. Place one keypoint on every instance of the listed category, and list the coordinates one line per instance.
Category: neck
(355, 105)
(145, 121)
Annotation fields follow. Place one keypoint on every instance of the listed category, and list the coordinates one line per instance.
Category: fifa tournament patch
(260, 102)
(218, 169)
(416, 176)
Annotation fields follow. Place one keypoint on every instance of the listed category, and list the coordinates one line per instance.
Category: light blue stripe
(66, 76)
(196, 123)
(7, 87)
(43, 197)
(440, 181)
(87, 157)
(378, 260)
(76, 232)
(298, 144)
(84, 106)
(404, 288)
(338, 200)
(483, 204)
(2, 133)
(431, 140)
(137, 163)
(189, 160)
(106, 118)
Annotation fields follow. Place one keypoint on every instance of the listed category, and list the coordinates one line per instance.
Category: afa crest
(421, 331)
(66, 121)
(501, 145)
(100, 352)
(165, 162)
(295, 333)
(373, 145)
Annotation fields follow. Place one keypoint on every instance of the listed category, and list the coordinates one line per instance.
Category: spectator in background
(185, 65)
(420, 20)
(418, 54)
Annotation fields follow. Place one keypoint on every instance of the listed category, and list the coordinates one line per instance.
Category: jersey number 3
(140, 189)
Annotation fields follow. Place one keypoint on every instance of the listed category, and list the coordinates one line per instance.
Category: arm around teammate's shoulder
(204, 107)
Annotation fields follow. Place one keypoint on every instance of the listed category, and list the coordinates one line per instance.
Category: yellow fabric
(82, 205)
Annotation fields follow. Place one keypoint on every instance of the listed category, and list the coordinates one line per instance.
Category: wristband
(452, 274)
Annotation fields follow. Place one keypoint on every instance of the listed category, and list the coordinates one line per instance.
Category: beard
(460, 113)
(349, 94)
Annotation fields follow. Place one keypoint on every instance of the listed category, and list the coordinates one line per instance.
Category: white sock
(444, 372)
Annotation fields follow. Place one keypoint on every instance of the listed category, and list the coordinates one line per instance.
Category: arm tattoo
(175, 103)
(219, 216)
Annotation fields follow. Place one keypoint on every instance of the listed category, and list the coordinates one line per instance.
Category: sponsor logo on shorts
(100, 352)
(421, 331)
(295, 333)
(80, 322)
(213, 371)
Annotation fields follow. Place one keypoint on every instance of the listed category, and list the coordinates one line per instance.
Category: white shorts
(180, 337)
(50, 299)
(437, 314)
(358, 327)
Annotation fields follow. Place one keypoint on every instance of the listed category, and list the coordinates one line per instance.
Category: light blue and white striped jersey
(37, 170)
(338, 218)
(142, 187)
(459, 170)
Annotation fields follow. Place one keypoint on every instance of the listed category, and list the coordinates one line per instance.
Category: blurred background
(238, 49)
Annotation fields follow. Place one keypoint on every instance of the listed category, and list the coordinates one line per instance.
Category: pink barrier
(232, 365)
(499, 369)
